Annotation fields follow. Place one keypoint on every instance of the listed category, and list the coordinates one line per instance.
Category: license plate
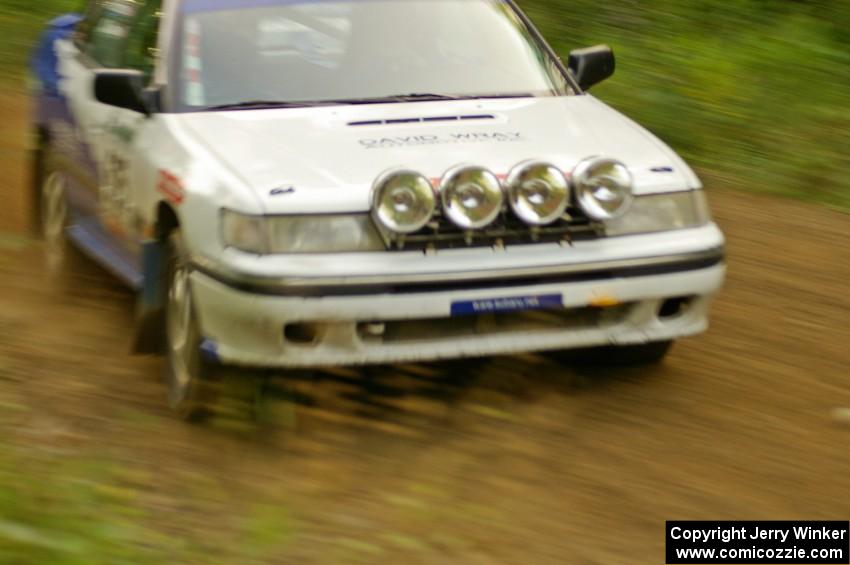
(507, 304)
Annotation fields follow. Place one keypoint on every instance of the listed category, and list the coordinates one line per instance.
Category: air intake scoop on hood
(425, 120)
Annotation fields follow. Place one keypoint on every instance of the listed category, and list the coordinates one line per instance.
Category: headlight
(472, 197)
(244, 232)
(538, 192)
(659, 212)
(300, 234)
(603, 187)
(403, 201)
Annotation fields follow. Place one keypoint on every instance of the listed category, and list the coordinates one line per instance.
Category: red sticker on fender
(171, 187)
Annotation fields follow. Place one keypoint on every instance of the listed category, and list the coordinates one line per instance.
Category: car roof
(214, 5)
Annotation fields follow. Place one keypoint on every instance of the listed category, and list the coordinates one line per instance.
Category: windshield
(252, 52)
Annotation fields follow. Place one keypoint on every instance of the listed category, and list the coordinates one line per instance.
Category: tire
(641, 355)
(197, 388)
(36, 177)
(62, 260)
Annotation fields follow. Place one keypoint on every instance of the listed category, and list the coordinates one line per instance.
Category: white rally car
(302, 183)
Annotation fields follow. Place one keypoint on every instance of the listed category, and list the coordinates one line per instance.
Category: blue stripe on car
(44, 58)
(88, 237)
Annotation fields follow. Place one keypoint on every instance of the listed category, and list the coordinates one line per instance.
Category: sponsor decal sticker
(282, 190)
(171, 187)
(438, 139)
(508, 304)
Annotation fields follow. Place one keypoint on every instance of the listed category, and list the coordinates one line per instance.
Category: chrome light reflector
(472, 197)
(538, 192)
(403, 201)
(603, 187)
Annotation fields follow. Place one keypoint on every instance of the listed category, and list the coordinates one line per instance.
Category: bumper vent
(477, 325)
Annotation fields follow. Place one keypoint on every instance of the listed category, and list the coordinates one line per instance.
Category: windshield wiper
(503, 95)
(422, 96)
(268, 104)
(410, 97)
(427, 96)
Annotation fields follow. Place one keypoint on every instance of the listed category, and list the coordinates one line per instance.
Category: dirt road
(513, 460)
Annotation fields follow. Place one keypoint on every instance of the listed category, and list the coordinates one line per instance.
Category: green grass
(69, 513)
(76, 510)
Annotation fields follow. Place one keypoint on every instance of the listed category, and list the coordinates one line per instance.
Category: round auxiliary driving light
(403, 201)
(472, 196)
(603, 187)
(538, 192)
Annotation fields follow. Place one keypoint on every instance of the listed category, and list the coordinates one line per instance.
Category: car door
(125, 165)
(103, 223)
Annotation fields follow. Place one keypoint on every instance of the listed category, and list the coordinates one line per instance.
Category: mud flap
(150, 308)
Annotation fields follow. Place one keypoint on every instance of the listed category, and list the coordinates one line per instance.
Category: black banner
(763, 543)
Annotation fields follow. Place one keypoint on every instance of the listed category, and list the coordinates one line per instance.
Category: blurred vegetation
(64, 505)
(754, 93)
(20, 23)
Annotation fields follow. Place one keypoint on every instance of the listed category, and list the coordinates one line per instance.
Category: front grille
(505, 231)
(494, 323)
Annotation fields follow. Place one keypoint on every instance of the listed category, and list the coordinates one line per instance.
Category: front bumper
(352, 320)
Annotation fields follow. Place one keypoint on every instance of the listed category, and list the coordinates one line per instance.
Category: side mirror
(591, 65)
(123, 88)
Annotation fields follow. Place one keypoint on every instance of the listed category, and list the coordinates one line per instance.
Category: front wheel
(53, 220)
(197, 387)
(64, 264)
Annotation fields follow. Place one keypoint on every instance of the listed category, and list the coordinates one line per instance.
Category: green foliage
(20, 23)
(754, 92)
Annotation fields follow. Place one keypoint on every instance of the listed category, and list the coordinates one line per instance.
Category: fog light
(371, 329)
(301, 334)
(404, 201)
(674, 306)
(603, 187)
(472, 197)
(538, 192)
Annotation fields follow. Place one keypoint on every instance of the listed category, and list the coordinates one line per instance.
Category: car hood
(326, 159)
